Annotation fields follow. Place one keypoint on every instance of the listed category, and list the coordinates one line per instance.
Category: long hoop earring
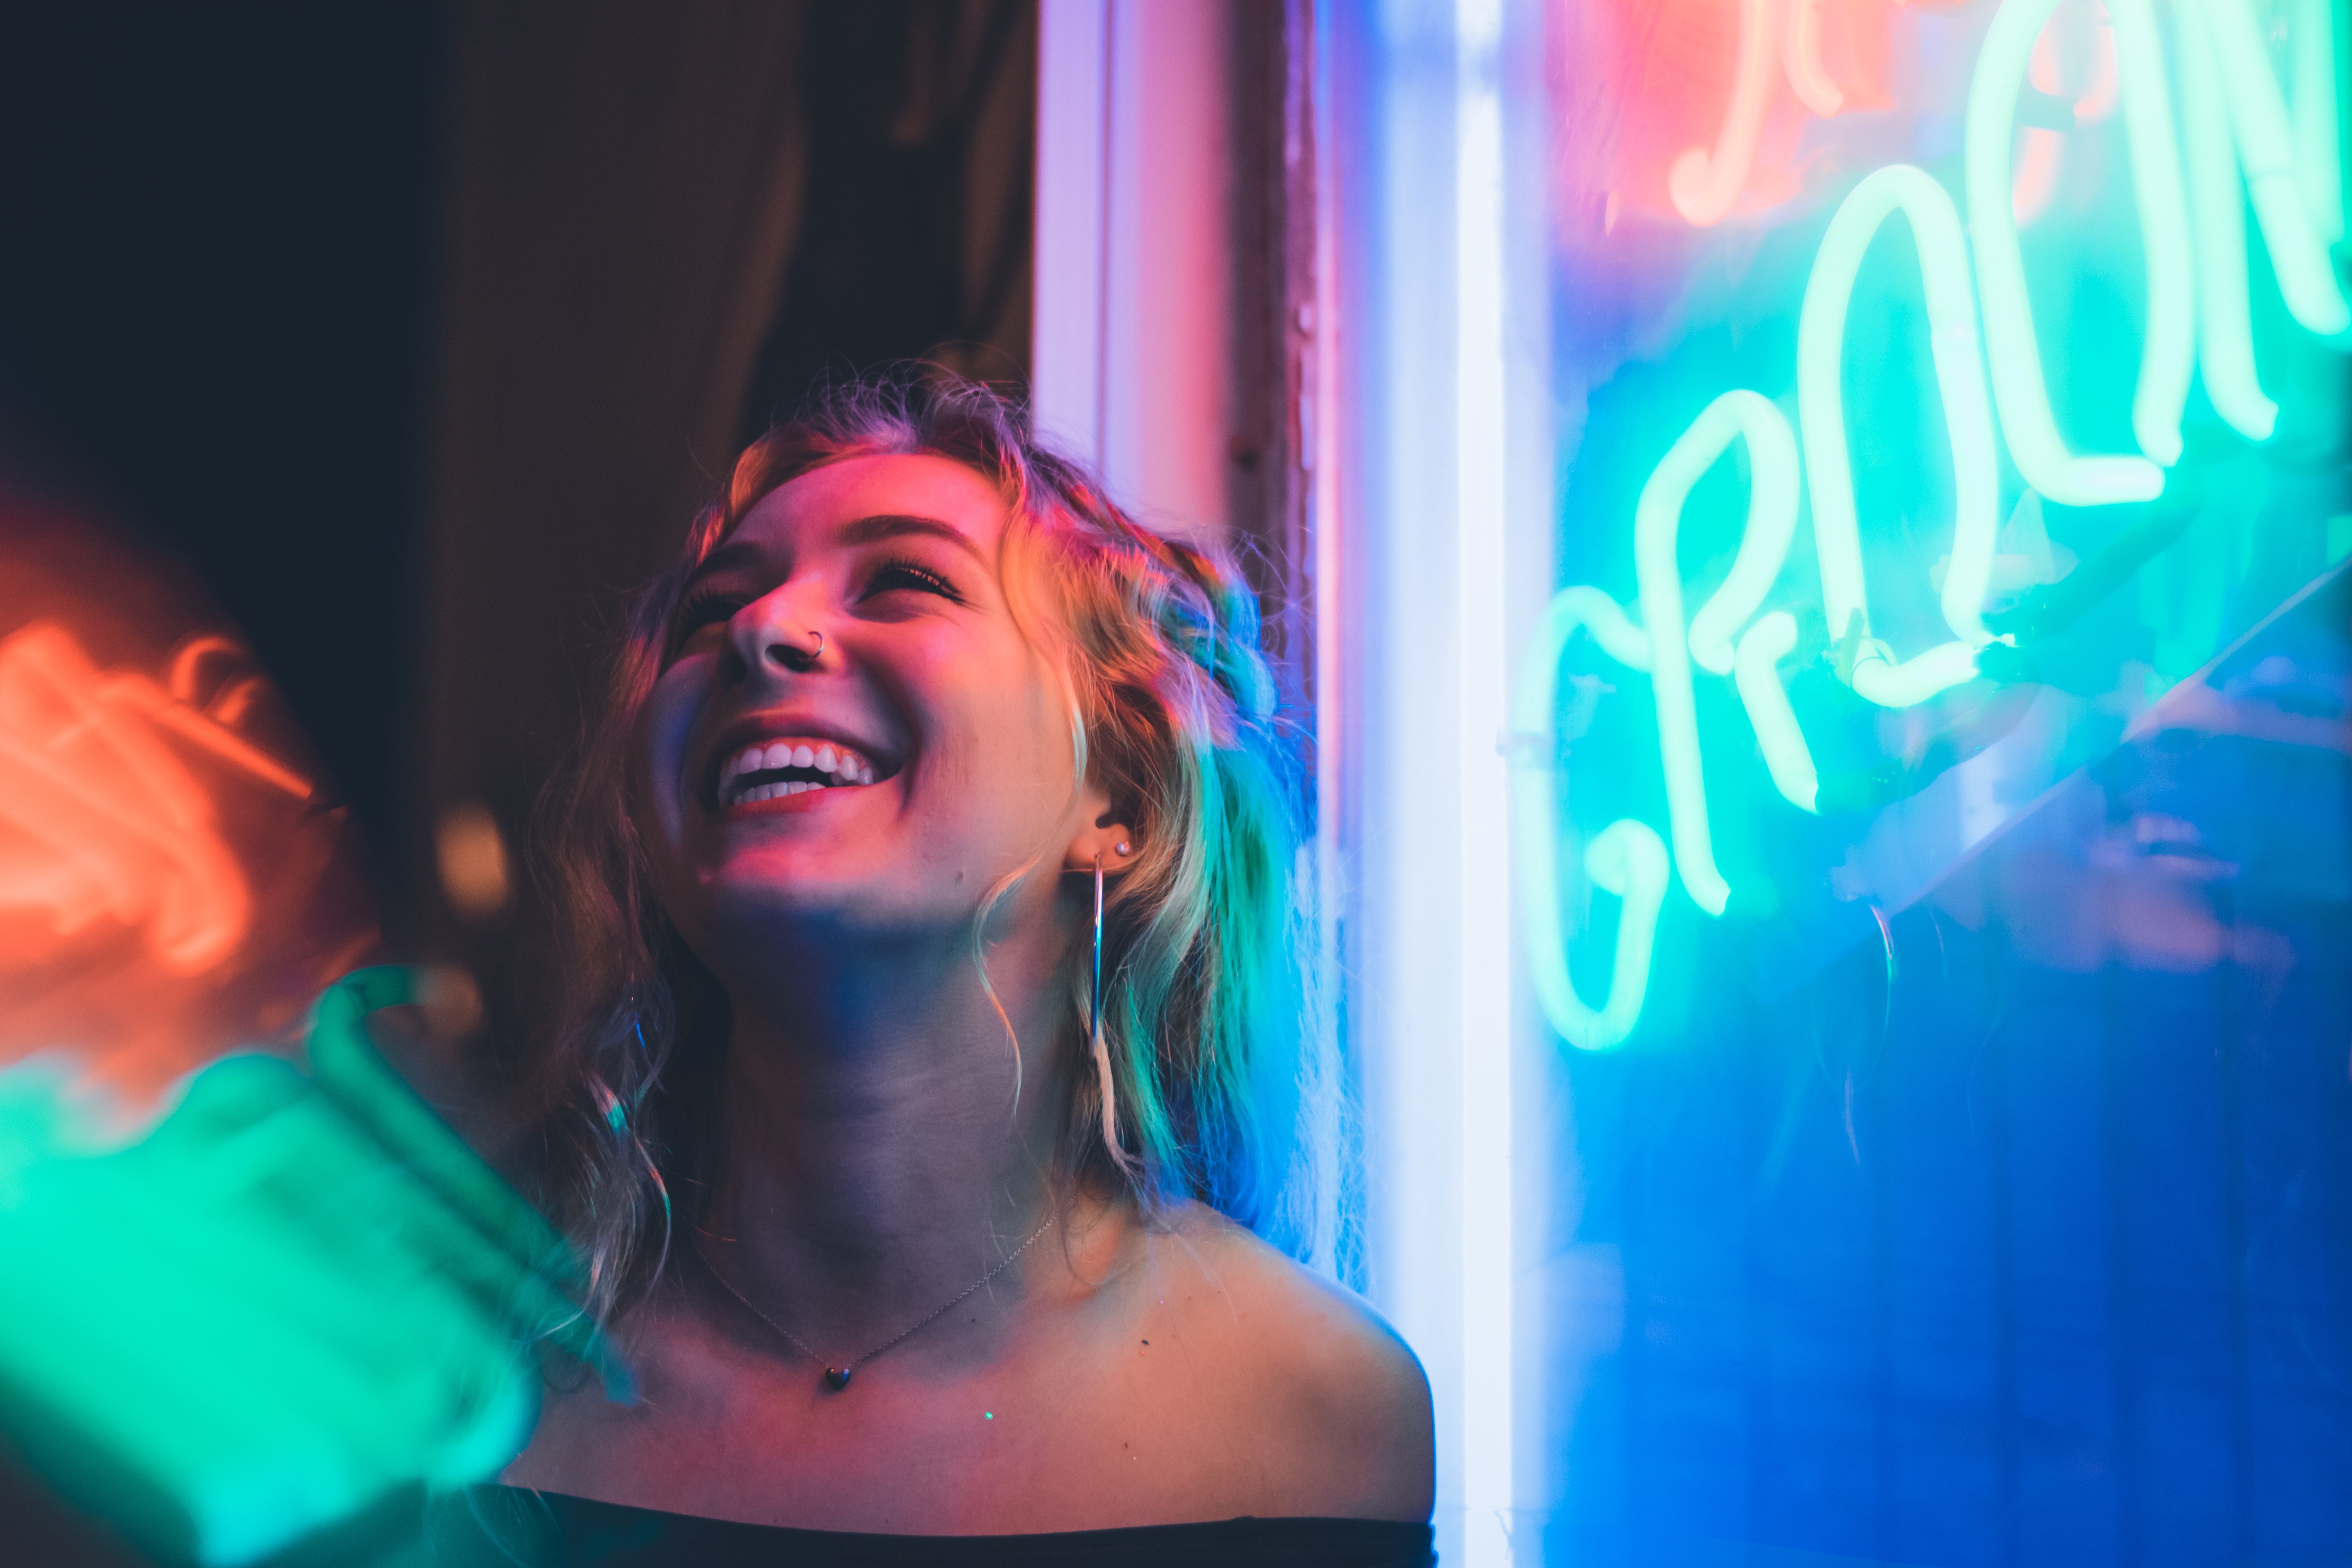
(1098, 1050)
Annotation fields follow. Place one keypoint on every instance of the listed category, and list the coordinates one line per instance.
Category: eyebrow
(863, 531)
(893, 525)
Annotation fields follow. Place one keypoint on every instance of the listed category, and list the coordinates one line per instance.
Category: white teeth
(844, 765)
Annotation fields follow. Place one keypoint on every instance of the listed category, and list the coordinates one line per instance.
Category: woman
(897, 1240)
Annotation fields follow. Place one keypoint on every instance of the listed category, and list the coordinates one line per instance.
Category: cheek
(997, 748)
(663, 734)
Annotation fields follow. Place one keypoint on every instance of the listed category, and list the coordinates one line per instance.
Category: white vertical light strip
(1483, 843)
(1321, 442)
(1404, 997)
(1166, 313)
(1066, 351)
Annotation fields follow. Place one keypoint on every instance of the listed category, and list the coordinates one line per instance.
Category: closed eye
(699, 611)
(897, 574)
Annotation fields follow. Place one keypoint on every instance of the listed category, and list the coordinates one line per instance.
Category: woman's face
(876, 786)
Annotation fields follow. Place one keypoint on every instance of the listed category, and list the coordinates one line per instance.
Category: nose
(798, 659)
(776, 633)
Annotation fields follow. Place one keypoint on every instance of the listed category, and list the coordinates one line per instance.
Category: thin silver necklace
(836, 1378)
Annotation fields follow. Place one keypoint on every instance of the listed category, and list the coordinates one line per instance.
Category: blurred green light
(1786, 756)
(2168, 344)
(292, 1296)
(2258, 123)
(1967, 423)
(1657, 519)
(2225, 336)
(2318, 156)
(2018, 386)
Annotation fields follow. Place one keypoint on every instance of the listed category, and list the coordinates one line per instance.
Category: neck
(881, 1150)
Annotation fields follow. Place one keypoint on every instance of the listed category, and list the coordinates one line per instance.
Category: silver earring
(1123, 848)
(1099, 1050)
(1094, 993)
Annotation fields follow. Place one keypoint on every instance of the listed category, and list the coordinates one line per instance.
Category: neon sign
(2237, 141)
(120, 828)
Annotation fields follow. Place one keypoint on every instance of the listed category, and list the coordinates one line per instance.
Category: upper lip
(742, 731)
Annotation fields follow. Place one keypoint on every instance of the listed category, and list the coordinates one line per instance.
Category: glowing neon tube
(1786, 756)
(1703, 187)
(2169, 342)
(1876, 676)
(2019, 386)
(2319, 160)
(2258, 122)
(1626, 858)
(1771, 518)
(1968, 421)
(1657, 518)
(1806, 73)
(2225, 343)
(1614, 630)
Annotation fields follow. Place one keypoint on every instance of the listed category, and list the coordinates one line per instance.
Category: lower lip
(781, 804)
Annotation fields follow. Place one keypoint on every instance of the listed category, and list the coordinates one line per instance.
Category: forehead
(808, 508)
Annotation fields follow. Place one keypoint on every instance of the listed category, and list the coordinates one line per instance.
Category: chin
(757, 908)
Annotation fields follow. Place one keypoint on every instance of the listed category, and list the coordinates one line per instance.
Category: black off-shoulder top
(500, 1527)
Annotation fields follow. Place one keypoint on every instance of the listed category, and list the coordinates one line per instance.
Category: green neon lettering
(2319, 160)
(1786, 756)
(1968, 421)
(2168, 342)
(2258, 124)
(1657, 519)
(2019, 386)
(1771, 517)
(1626, 858)
(2225, 343)
(1614, 630)
(2233, 118)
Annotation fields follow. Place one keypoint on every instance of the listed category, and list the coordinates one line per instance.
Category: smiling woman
(931, 1015)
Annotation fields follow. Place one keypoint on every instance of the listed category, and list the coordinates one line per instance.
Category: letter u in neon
(2167, 352)
(1968, 420)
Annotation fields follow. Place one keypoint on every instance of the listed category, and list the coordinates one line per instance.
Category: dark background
(419, 331)
(215, 318)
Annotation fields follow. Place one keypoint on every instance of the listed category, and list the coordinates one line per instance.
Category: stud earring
(1123, 848)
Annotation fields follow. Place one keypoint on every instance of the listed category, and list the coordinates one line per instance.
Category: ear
(1104, 836)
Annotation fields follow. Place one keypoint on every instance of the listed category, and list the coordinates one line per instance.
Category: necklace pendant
(836, 1378)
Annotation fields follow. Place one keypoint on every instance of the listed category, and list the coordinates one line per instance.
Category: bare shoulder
(1337, 1400)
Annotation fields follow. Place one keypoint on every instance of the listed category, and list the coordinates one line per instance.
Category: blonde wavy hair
(1219, 1095)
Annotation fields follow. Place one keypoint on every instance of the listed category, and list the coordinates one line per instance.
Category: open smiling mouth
(770, 769)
